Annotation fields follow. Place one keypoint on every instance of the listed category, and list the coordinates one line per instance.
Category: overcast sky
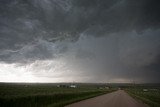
(80, 41)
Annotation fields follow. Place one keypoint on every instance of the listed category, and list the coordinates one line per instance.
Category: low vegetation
(59, 95)
(149, 95)
(47, 95)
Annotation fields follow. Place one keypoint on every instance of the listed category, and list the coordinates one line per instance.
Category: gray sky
(79, 40)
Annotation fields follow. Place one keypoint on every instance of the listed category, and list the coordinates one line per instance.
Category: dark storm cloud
(119, 35)
(21, 21)
(127, 55)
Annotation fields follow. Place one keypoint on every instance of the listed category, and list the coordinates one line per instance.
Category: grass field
(148, 94)
(49, 95)
(46, 95)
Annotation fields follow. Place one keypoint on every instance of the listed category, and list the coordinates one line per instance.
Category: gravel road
(115, 99)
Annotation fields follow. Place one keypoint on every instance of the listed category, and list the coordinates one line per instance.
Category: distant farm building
(63, 86)
(67, 86)
(73, 86)
(106, 87)
(145, 90)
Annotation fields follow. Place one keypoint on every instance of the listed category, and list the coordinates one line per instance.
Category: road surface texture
(115, 99)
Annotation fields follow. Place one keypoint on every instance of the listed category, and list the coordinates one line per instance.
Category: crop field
(59, 95)
(47, 95)
(148, 94)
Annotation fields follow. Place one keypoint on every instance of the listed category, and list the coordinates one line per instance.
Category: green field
(47, 95)
(148, 94)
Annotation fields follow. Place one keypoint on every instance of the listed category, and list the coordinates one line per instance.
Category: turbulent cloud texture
(80, 40)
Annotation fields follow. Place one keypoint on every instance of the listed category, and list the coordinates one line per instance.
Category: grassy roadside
(148, 98)
(46, 95)
(78, 98)
(56, 100)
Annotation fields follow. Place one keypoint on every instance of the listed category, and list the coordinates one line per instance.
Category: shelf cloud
(80, 40)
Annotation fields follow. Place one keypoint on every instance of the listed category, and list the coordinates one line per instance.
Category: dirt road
(115, 99)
